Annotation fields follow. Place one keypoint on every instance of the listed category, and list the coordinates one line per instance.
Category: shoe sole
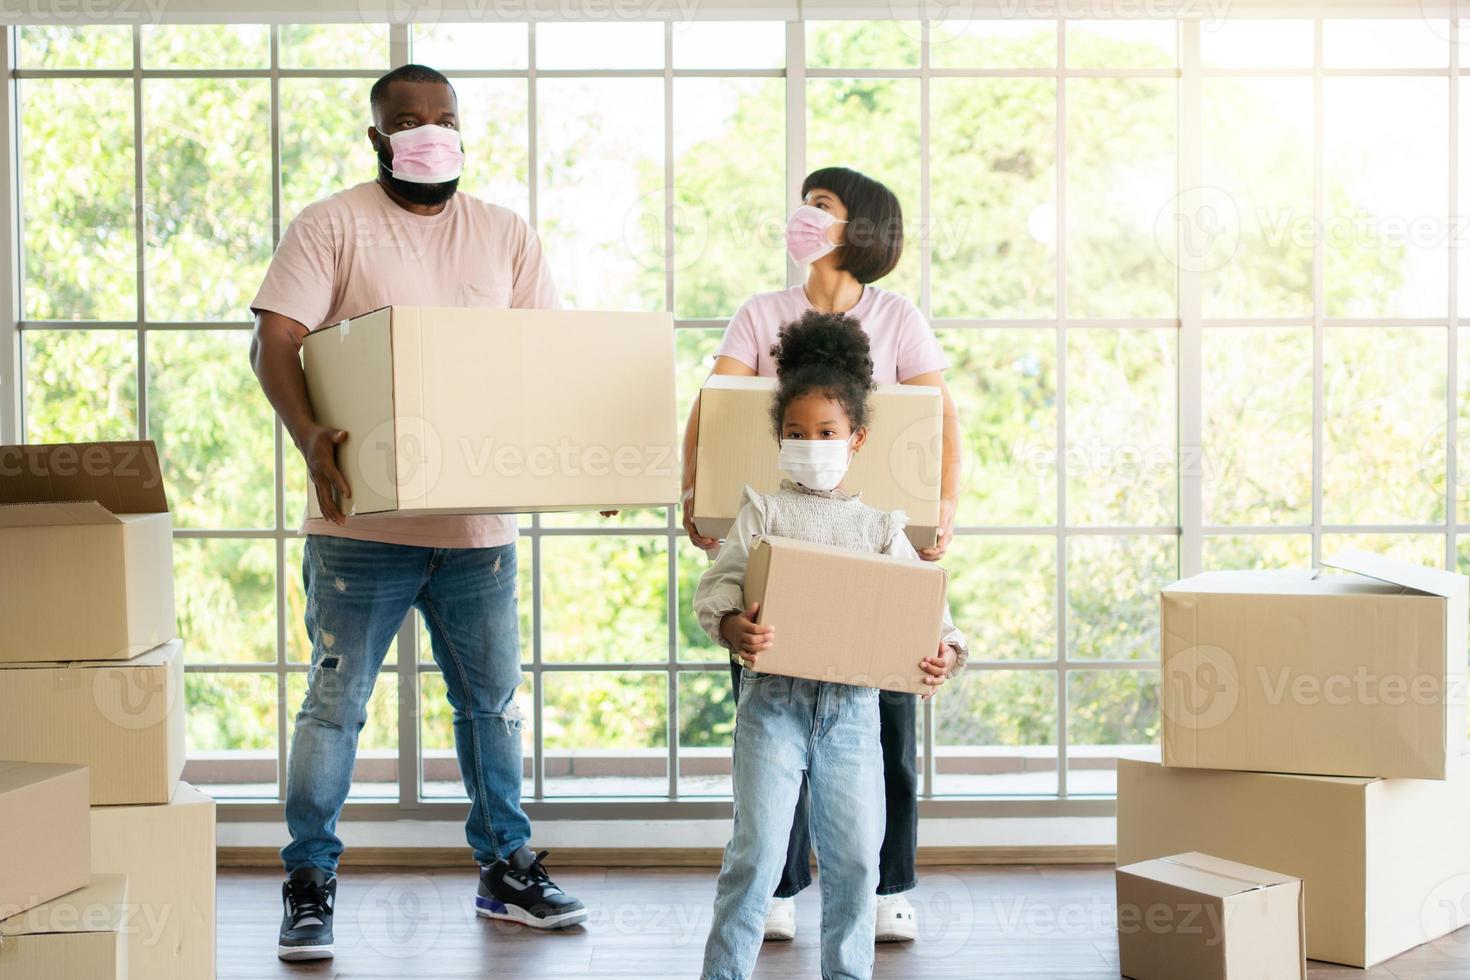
(780, 936)
(894, 937)
(293, 954)
(492, 909)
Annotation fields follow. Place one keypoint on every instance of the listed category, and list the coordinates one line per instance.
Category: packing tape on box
(1255, 885)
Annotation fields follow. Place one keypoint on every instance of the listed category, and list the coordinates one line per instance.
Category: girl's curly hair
(826, 354)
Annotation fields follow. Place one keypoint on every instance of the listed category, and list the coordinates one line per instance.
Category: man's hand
(947, 509)
(937, 669)
(699, 540)
(745, 637)
(318, 447)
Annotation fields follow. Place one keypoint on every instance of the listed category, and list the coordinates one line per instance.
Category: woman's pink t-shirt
(903, 343)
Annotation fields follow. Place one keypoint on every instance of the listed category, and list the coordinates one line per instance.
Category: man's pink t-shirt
(358, 251)
(903, 343)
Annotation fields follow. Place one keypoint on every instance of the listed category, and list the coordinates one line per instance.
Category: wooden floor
(994, 922)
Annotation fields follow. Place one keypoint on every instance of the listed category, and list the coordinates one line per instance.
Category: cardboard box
(898, 468)
(123, 720)
(478, 411)
(167, 852)
(1197, 916)
(88, 546)
(1302, 672)
(846, 616)
(44, 841)
(80, 936)
(1385, 862)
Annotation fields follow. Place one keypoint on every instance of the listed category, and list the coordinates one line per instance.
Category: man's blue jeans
(785, 727)
(357, 594)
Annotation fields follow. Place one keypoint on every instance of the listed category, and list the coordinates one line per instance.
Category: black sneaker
(520, 890)
(306, 926)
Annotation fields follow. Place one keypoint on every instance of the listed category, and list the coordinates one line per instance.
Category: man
(406, 238)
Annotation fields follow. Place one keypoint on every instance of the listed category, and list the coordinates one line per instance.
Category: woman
(849, 232)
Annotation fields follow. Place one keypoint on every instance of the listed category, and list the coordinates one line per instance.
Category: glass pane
(1251, 234)
(1121, 43)
(58, 46)
(207, 195)
(298, 643)
(206, 46)
(1113, 588)
(706, 732)
(729, 44)
(1121, 432)
(323, 149)
(213, 428)
(442, 778)
(1407, 42)
(1004, 382)
(729, 193)
(375, 775)
(1256, 551)
(599, 45)
(606, 252)
(965, 43)
(226, 595)
(1421, 549)
(493, 121)
(836, 109)
(1111, 715)
(294, 499)
(694, 353)
(76, 189)
(1383, 431)
(80, 385)
(605, 598)
(230, 731)
(606, 733)
(1256, 461)
(1462, 429)
(995, 734)
(862, 44)
(334, 46)
(1003, 595)
(1229, 42)
(481, 46)
(694, 645)
(1121, 176)
(1387, 164)
(992, 238)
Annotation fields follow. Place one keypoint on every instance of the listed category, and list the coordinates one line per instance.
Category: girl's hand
(938, 668)
(745, 637)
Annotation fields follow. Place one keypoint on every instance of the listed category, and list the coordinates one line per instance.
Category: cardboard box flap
(99, 906)
(57, 514)
(124, 477)
(1417, 577)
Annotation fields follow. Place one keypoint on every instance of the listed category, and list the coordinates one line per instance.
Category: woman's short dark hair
(873, 241)
(825, 354)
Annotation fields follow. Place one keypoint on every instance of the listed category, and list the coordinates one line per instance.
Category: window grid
(1189, 323)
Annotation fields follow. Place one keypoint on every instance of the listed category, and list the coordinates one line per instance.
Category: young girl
(789, 726)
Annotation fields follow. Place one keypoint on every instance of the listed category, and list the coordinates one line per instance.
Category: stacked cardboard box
(91, 675)
(1314, 724)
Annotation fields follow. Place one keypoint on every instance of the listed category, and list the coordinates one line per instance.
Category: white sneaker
(896, 920)
(781, 920)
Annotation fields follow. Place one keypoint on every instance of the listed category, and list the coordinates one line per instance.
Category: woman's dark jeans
(897, 870)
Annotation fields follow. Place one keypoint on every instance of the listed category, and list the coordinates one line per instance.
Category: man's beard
(414, 193)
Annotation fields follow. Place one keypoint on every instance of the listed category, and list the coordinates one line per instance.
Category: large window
(1196, 283)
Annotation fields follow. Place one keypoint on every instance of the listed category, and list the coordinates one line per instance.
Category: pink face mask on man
(426, 154)
(806, 234)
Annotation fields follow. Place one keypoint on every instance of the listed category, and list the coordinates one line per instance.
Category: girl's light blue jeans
(786, 726)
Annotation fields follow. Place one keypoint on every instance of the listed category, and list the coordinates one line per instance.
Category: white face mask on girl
(816, 463)
(806, 234)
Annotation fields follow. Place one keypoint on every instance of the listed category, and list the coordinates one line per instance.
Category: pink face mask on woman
(426, 154)
(806, 234)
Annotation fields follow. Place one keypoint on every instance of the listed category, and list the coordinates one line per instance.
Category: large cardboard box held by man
(845, 616)
(44, 841)
(1198, 916)
(83, 935)
(897, 469)
(167, 852)
(124, 720)
(88, 552)
(479, 411)
(1350, 675)
(1385, 862)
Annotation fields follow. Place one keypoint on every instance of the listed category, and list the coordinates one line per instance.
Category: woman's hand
(745, 636)
(938, 669)
(947, 509)
(699, 540)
